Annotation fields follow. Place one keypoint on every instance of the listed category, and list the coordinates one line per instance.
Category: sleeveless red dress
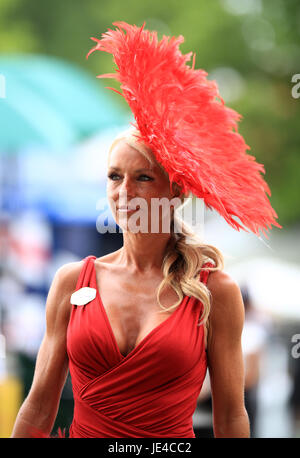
(151, 392)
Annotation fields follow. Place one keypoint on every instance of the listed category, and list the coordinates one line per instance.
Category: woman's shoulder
(221, 284)
(67, 275)
(226, 297)
(70, 270)
(58, 305)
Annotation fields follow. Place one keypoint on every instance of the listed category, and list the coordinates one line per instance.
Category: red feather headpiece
(181, 116)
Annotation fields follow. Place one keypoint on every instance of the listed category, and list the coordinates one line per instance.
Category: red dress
(151, 392)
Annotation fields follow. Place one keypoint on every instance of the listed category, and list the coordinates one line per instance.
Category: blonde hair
(185, 253)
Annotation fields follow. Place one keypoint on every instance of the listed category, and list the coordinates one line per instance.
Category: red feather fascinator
(181, 116)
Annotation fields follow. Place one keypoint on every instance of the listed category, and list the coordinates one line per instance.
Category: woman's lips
(127, 209)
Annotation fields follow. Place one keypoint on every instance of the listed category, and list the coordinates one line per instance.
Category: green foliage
(261, 45)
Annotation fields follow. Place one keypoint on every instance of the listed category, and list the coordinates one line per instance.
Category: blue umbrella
(51, 103)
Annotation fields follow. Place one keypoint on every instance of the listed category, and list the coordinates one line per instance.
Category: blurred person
(294, 374)
(203, 418)
(146, 321)
(294, 399)
(254, 338)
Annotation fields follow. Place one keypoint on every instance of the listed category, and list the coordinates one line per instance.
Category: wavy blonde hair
(185, 252)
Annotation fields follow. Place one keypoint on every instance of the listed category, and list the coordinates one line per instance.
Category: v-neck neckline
(146, 338)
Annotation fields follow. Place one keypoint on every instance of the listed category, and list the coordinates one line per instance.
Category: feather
(181, 116)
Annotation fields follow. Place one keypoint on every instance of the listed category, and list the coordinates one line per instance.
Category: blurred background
(56, 122)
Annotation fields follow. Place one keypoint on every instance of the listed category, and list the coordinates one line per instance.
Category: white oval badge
(83, 295)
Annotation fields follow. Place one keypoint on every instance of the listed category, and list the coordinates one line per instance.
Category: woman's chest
(131, 306)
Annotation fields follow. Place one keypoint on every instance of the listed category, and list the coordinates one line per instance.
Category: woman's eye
(112, 175)
(146, 176)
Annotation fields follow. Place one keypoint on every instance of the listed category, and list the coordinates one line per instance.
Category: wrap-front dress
(152, 391)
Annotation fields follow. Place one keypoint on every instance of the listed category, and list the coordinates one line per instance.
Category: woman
(148, 320)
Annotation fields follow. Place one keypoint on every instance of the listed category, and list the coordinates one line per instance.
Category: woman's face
(134, 189)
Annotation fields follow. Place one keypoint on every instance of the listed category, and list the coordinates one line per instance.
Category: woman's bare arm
(39, 410)
(225, 359)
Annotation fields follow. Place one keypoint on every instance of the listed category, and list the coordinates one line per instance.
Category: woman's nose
(127, 187)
